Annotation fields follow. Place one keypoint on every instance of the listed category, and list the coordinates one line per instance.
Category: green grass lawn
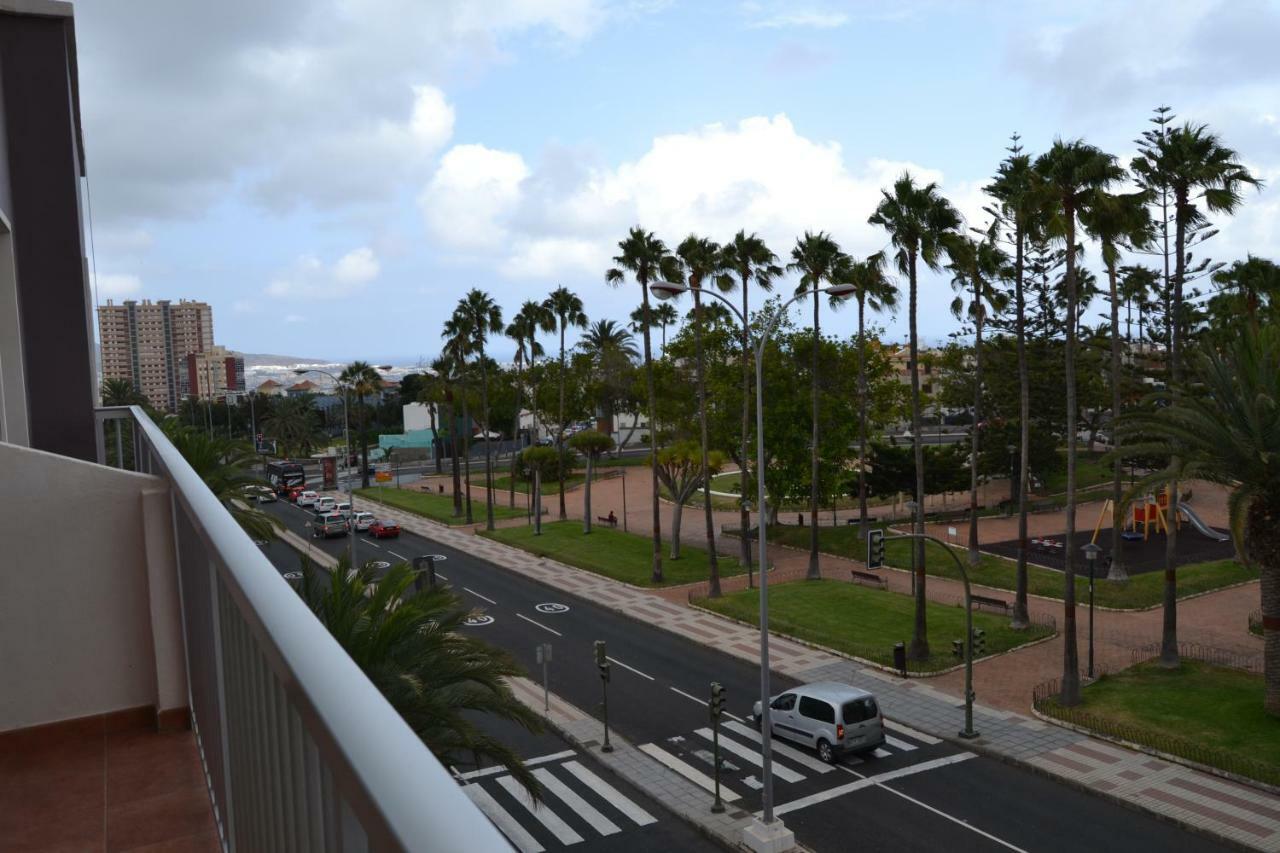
(1202, 712)
(435, 507)
(1140, 591)
(549, 487)
(622, 556)
(866, 622)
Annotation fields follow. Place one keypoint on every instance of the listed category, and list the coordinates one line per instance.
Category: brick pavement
(1193, 798)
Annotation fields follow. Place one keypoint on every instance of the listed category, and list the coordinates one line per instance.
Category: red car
(384, 528)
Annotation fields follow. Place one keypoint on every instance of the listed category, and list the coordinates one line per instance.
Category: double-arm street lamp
(671, 290)
(346, 437)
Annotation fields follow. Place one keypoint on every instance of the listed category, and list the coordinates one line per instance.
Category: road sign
(382, 476)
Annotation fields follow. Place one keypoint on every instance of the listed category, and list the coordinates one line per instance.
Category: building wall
(91, 625)
(147, 343)
(42, 165)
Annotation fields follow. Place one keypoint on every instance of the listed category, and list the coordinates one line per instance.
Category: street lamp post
(770, 831)
(1091, 552)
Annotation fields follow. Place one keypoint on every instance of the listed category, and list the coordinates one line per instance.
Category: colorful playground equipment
(1151, 513)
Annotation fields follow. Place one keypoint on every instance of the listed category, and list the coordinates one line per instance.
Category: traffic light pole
(717, 707)
(602, 663)
(968, 732)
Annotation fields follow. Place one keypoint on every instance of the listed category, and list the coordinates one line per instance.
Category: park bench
(869, 578)
(853, 522)
(604, 519)
(987, 601)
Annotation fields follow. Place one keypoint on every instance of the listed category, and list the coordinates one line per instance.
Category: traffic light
(602, 660)
(875, 549)
(717, 699)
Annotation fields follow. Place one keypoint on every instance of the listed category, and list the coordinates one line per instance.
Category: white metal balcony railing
(301, 751)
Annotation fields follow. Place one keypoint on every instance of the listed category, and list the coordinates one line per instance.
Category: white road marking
(613, 795)
(955, 820)
(868, 781)
(694, 775)
(632, 668)
(539, 624)
(442, 577)
(493, 771)
(730, 745)
(394, 554)
(781, 748)
(881, 753)
(912, 733)
(581, 807)
(545, 816)
(899, 744)
(502, 819)
(687, 696)
(371, 544)
(477, 595)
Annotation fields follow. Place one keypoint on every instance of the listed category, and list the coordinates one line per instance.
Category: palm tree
(1194, 166)
(591, 444)
(976, 266)
(817, 258)
(226, 467)
(1251, 284)
(704, 263)
(445, 368)
(647, 259)
(121, 392)
(1015, 190)
(1137, 284)
(292, 423)
(875, 291)
(483, 317)
(361, 379)
(1226, 429)
(459, 341)
(1074, 174)
(412, 647)
(533, 317)
(749, 259)
(567, 308)
(1116, 222)
(917, 218)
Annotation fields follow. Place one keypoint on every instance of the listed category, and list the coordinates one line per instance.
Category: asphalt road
(940, 798)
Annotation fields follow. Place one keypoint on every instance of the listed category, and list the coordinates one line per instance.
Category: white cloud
(294, 318)
(116, 285)
(759, 174)
(310, 278)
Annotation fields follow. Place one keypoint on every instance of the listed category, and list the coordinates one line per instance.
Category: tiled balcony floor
(109, 783)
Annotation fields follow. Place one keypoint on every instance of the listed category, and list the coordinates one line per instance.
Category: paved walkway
(1198, 800)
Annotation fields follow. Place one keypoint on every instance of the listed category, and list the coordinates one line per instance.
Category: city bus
(284, 476)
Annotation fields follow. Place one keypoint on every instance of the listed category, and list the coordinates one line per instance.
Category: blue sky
(333, 175)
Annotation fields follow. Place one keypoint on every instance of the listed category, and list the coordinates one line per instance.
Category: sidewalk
(1186, 796)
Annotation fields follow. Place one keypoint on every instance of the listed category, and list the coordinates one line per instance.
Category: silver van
(831, 717)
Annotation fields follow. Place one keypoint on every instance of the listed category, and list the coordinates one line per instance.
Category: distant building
(306, 386)
(271, 388)
(147, 343)
(215, 372)
(419, 416)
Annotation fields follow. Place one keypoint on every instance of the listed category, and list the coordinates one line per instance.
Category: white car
(265, 495)
(326, 505)
(362, 521)
(345, 509)
(307, 498)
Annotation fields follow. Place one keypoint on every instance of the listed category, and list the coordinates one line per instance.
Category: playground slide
(1198, 523)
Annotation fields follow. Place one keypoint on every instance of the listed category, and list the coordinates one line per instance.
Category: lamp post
(770, 831)
(346, 437)
(1091, 552)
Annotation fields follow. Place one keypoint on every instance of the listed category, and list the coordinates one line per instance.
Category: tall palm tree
(917, 218)
(1250, 284)
(611, 351)
(1074, 174)
(445, 368)
(483, 317)
(1018, 209)
(704, 264)
(1137, 284)
(413, 648)
(567, 308)
(1199, 171)
(874, 290)
(1226, 429)
(459, 341)
(817, 258)
(1117, 222)
(533, 317)
(292, 423)
(361, 379)
(648, 260)
(748, 259)
(976, 267)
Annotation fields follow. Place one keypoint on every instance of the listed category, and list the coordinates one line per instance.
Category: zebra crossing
(576, 805)
(690, 756)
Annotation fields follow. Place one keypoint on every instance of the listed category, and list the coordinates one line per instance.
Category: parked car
(307, 498)
(329, 524)
(831, 717)
(344, 508)
(326, 504)
(265, 495)
(362, 521)
(384, 528)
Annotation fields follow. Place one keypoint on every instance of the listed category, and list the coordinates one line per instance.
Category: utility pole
(717, 708)
(602, 663)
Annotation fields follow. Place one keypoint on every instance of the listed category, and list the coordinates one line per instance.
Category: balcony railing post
(215, 617)
(99, 436)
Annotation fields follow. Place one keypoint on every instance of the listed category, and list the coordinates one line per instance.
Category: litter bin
(900, 658)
